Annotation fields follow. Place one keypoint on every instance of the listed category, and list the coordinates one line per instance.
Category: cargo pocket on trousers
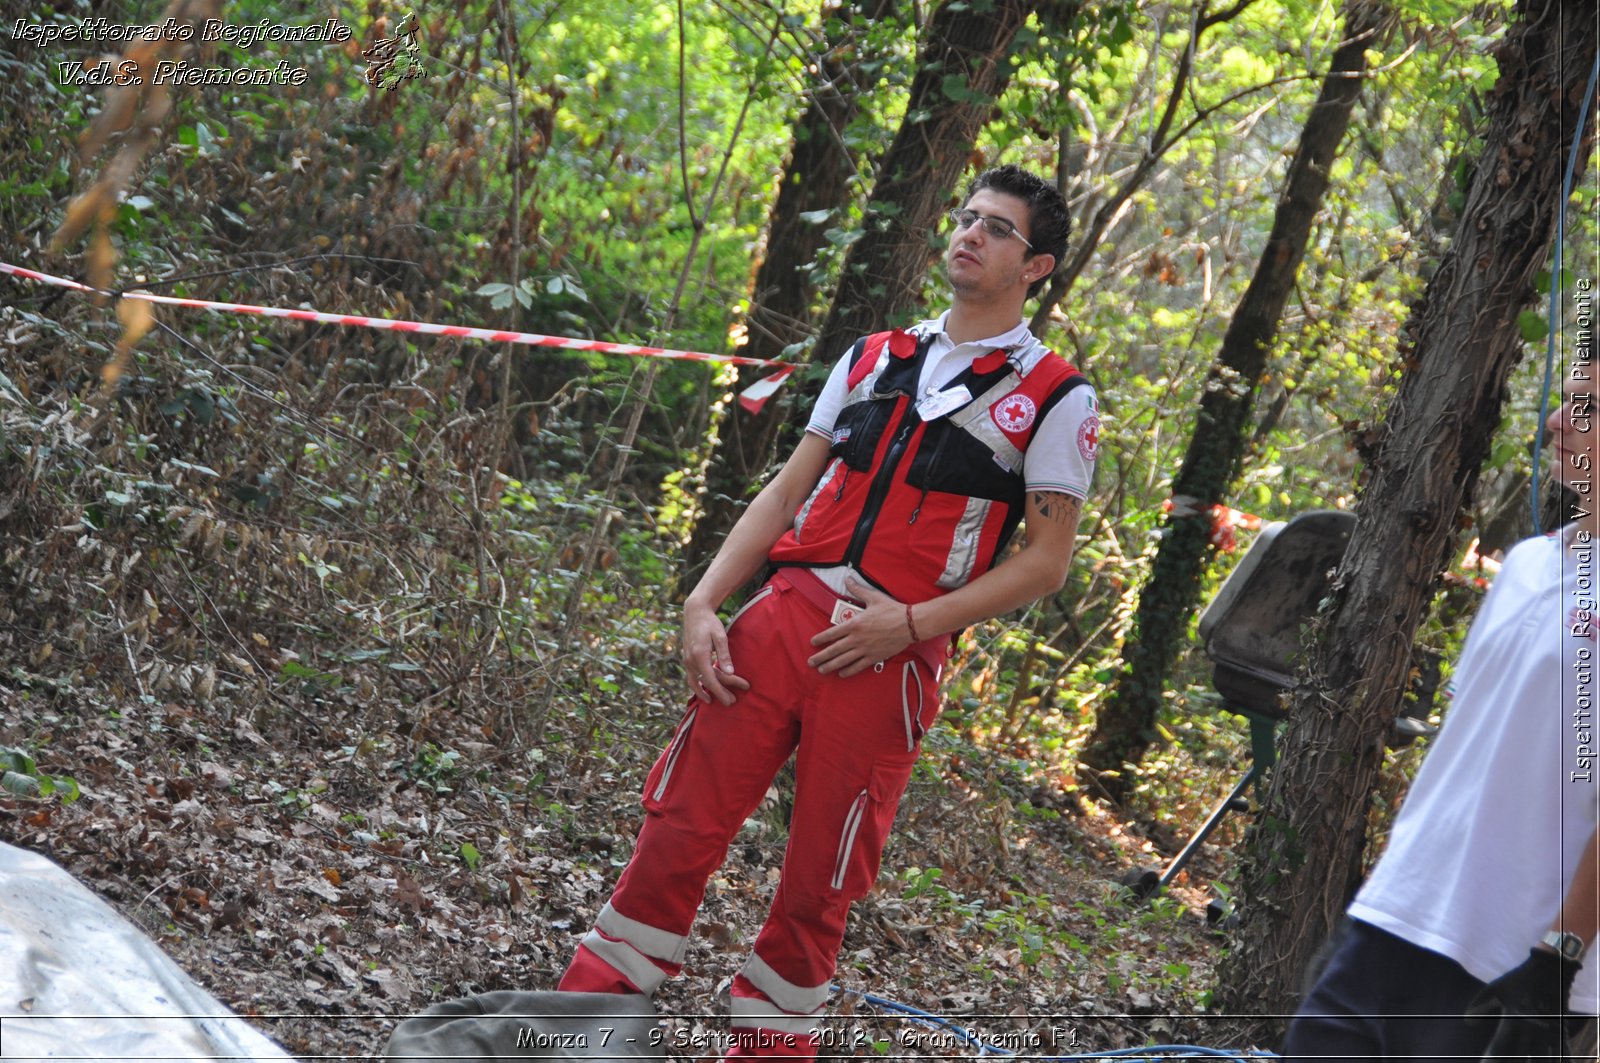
(866, 828)
(660, 777)
(919, 702)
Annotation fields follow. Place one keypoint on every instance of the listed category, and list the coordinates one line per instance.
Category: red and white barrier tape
(751, 398)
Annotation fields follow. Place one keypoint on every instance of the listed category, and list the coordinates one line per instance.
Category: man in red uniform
(883, 532)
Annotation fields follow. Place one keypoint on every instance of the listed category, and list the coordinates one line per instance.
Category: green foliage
(436, 768)
(338, 517)
(20, 776)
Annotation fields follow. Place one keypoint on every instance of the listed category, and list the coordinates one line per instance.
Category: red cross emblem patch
(1015, 413)
(1089, 437)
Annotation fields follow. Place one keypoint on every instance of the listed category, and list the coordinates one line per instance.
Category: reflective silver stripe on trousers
(627, 960)
(797, 1001)
(679, 740)
(963, 559)
(847, 839)
(805, 510)
(908, 674)
(660, 944)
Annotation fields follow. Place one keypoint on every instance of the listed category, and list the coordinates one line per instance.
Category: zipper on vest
(880, 487)
(920, 499)
(933, 463)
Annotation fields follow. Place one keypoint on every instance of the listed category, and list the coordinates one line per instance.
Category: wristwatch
(1568, 946)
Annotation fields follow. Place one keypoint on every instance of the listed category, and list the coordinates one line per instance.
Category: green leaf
(296, 670)
(956, 87)
(66, 787)
(16, 760)
(14, 782)
(1541, 280)
(1533, 326)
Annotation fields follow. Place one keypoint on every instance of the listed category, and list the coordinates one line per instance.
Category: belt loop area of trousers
(809, 586)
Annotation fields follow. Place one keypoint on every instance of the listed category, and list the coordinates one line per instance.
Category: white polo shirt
(1490, 834)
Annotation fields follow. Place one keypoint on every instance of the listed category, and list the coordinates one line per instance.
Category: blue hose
(1146, 1053)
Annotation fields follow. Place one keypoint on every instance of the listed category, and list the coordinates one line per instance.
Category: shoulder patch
(1089, 438)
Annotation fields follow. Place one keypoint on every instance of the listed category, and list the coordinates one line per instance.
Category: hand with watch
(1528, 1004)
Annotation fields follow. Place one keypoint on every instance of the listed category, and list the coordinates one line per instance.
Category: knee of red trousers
(758, 1042)
(665, 881)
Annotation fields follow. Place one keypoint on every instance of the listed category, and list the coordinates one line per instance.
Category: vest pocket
(858, 429)
(956, 462)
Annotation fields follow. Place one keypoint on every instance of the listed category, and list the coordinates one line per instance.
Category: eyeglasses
(998, 228)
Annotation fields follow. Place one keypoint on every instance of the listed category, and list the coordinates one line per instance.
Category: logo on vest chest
(1015, 413)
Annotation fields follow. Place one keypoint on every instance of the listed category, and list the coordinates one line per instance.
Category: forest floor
(327, 877)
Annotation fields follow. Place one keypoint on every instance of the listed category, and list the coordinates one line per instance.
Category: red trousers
(854, 741)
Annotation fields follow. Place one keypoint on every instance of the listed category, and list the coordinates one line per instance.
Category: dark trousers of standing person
(1381, 997)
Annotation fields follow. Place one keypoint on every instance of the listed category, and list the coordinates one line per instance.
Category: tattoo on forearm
(1057, 507)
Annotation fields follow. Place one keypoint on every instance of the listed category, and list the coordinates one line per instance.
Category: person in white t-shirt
(1468, 938)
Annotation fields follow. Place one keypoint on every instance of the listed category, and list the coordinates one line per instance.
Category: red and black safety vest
(921, 507)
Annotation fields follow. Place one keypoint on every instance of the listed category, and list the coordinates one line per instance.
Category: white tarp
(78, 981)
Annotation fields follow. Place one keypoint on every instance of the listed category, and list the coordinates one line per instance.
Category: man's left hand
(870, 637)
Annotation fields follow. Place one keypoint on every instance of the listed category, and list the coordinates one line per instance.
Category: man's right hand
(707, 664)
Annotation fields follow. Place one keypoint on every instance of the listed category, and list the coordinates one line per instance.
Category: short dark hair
(1049, 224)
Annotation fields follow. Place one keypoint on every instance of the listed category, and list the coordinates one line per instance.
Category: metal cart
(1252, 633)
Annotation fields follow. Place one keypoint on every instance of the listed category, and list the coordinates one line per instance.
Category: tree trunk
(961, 70)
(816, 178)
(1126, 722)
(1304, 854)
